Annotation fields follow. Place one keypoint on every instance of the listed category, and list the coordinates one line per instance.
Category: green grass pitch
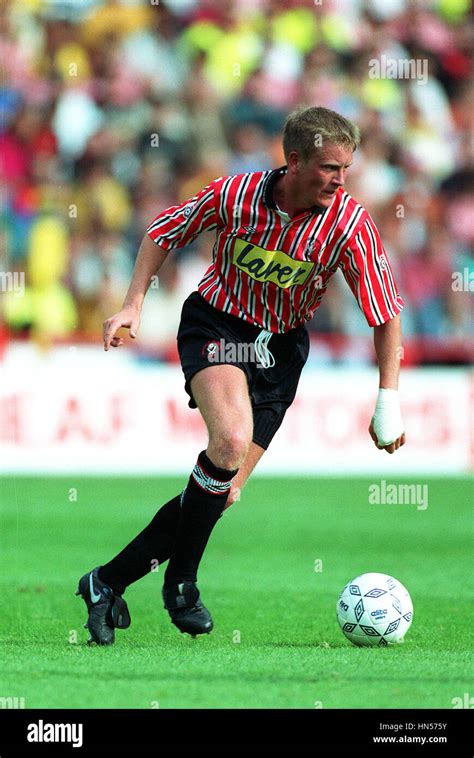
(271, 576)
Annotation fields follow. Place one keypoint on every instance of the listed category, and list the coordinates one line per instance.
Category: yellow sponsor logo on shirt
(270, 265)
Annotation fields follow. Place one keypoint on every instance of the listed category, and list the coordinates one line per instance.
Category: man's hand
(386, 427)
(129, 318)
(389, 448)
(150, 258)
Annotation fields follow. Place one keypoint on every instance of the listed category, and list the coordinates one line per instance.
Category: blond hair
(309, 129)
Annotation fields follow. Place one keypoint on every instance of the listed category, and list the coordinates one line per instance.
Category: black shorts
(209, 337)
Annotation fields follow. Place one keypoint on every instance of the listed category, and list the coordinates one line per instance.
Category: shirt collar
(268, 198)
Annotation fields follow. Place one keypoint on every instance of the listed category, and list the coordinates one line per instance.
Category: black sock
(202, 504)
(147, 551)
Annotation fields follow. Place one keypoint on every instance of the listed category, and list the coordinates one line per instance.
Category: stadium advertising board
(121, 415)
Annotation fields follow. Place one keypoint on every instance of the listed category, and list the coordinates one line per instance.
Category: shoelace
(264, 356)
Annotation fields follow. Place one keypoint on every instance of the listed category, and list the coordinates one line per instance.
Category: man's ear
(294, 162)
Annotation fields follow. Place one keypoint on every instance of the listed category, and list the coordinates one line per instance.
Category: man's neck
(287, 201)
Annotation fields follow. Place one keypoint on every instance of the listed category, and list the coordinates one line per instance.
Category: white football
(374, 610)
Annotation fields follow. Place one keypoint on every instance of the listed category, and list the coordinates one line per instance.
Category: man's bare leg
(254, 453)
(222, 396)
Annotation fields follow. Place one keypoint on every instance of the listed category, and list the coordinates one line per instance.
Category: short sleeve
(366, 269)
(179, 225)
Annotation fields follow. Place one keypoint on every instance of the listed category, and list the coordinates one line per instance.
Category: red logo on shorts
(210, 349)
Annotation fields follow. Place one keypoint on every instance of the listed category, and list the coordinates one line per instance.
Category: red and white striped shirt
(271, 270)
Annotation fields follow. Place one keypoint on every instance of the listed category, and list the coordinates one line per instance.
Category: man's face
(317, 181)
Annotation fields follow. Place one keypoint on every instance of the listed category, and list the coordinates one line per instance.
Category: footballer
(280, 236)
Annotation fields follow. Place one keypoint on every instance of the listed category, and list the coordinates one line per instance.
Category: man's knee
(227, 449)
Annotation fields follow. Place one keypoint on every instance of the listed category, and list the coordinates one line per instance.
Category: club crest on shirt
(311, 247)
(270, 265)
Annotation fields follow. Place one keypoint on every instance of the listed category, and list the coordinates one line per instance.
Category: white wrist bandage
(387, 419)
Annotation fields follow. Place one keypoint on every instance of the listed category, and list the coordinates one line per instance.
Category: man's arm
(174, 228)
(386, 427)
(388, 348)
(367, 271)
(150, 258)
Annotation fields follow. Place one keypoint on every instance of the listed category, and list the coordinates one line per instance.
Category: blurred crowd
(113, 110)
